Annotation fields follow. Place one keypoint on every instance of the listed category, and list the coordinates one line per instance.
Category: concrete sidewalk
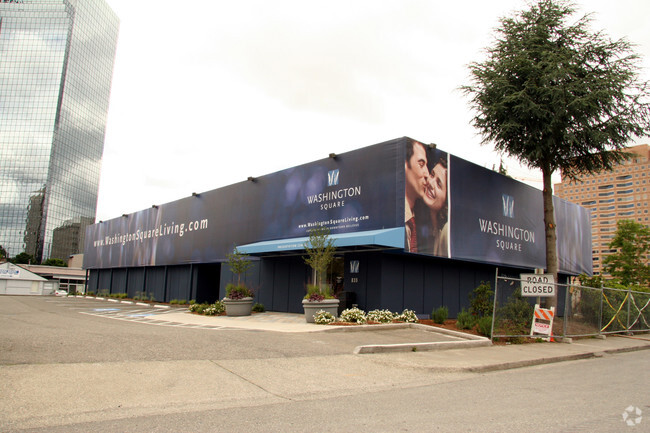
(447, 351)
(503, 357)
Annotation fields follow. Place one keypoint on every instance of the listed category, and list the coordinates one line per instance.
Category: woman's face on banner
(436, 193)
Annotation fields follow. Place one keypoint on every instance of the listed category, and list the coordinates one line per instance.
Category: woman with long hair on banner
(434, 210)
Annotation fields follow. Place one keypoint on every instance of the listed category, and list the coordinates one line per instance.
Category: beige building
(612, 196)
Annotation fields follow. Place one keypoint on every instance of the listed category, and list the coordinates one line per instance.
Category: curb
(555, 359)
(427, 328)
(468, 340)
(122, 301)
(416, 347)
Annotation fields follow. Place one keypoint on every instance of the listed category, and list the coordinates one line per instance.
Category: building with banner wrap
(414, 226)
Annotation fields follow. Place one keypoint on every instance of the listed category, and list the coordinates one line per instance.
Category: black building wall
(159, 283)
(385, 280)
(399, 281)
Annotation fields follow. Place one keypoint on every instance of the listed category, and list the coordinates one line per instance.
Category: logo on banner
(508, 205)
(333, 177)
(354, 266)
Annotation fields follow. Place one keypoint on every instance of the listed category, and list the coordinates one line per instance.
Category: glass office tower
(56, 65)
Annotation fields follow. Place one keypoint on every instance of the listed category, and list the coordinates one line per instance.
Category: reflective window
(56, 63)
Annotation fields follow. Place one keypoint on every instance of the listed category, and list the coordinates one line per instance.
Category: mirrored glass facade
(56, 64)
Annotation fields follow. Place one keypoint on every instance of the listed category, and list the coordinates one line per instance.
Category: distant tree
(502, 169)
(3, 253)
(23, 259)
(630, 263)
(556, 96)
(55, 262)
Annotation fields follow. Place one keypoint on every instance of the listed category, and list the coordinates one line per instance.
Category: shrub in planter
(484, 326)
(353, 315)
(238, 292)
(465, 320)
(440, 314)
(515, 317)
(481, 301)
(318, 294)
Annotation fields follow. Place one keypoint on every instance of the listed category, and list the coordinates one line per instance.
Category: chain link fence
(580, 311)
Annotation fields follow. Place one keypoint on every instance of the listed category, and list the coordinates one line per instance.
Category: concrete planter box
(238, 307)
(311, 308)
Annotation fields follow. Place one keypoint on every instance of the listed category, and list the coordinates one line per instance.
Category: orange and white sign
(542, 321)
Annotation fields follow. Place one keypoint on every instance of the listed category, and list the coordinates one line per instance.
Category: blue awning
(385, 238)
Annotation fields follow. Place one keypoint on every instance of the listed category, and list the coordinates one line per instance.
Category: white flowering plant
(353, 315)
(323, 318)
(407, 316)
(208, 309)
(381, 316)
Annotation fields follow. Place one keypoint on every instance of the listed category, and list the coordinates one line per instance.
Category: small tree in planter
(320, 249)
(239, 298)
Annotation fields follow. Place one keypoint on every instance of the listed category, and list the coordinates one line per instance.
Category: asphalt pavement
(42, 387)
(438, 349)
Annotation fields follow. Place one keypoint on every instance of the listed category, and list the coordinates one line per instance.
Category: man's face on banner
(416, 174)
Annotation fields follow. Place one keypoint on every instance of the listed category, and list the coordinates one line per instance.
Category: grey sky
(208, 93)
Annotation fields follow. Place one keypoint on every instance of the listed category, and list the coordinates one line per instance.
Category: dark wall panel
(178, 283)
(432, 296)
(392, 284)
(155, 283)
(281, 286)
(118, 283)
(93, 281)
(135, 282)
(104, 283)
(266, 293)
(450, 283)
(297, 284)
(413, 285)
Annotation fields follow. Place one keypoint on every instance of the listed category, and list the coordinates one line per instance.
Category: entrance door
(336, 274)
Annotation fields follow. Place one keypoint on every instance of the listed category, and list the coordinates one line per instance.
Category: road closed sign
(534, 285)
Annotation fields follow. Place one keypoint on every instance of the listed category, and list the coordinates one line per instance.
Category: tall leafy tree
(557, 96)
(629, 263)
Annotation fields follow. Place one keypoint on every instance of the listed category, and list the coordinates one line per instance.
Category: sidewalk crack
(251, 382)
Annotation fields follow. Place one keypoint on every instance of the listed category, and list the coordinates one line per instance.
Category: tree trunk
(549, 228)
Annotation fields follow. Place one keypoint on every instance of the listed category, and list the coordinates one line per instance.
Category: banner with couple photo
(467, 212)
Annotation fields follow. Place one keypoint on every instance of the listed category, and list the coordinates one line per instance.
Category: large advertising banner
(495, 219)
(457, 209)
(352, 192)
(446, 207)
